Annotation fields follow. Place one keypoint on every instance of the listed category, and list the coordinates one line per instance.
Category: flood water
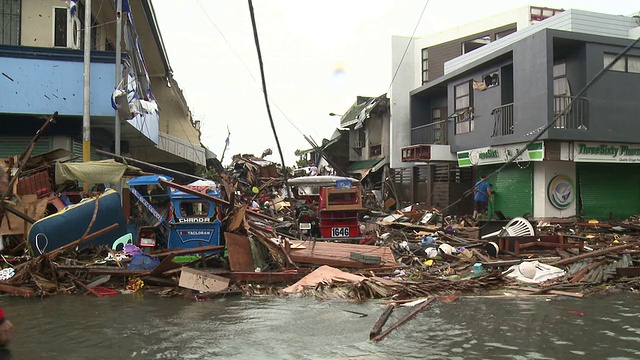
(141, 326)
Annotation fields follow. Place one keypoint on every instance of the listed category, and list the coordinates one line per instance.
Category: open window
(491, 80)
(471, 45)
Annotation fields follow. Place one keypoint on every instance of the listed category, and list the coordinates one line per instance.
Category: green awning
(363, 164)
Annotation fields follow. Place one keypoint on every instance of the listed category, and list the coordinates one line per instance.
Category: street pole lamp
(334, 114)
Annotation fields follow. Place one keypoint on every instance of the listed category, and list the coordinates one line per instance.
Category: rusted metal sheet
(240, 257)
(338, 254)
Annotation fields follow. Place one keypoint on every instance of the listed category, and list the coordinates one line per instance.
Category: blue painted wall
(42, 86)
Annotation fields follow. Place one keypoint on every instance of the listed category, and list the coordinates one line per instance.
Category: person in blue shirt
(481, 196)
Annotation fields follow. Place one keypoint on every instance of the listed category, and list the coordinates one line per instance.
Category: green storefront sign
(501, 154)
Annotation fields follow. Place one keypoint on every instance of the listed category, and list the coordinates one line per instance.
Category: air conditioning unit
(358, 145)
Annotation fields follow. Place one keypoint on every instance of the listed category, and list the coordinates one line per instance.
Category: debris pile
(244, 233)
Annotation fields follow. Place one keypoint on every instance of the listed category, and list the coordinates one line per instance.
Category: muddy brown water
(139, 326)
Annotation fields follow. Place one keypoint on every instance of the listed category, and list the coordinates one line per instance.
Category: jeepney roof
(323, 180)
(148, 180)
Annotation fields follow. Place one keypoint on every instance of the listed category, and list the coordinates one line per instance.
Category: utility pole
(118, 69)
(86, 114)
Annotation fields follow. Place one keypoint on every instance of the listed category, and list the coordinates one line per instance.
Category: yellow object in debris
(593, 221)
(134, 284)
(590, 236)
(428, 262)
(616, 241)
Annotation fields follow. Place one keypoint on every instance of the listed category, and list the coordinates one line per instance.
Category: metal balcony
(434, 133)
(502, 120)
(577, 115)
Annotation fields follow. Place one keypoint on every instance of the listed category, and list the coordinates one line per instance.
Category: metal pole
(118, 69)
(86, 114)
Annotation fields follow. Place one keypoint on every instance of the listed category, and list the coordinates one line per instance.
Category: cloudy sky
(318, 57)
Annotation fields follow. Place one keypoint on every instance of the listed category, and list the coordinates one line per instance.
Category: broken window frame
(491, 79)
(10, 14)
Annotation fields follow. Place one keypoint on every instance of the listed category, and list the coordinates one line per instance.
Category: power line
(246, 67)
(408, 44)
(264, 84)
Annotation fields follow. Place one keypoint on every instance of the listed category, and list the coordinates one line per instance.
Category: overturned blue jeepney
(175, 219)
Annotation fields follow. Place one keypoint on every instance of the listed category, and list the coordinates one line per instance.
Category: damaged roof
(361, 110)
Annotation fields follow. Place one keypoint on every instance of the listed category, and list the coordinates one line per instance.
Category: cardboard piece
(202, 281)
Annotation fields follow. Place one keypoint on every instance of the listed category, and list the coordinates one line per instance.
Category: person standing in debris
(481, 196)
(6, 329)
(313, 170)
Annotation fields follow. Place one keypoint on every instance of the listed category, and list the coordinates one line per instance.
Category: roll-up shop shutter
(15, 146)
(609, 190)
(513, 189)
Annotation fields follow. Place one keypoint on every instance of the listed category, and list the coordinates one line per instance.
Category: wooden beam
(377, 327)
(593, 254)
(409, 316)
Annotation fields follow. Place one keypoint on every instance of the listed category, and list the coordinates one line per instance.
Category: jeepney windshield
(194, 208)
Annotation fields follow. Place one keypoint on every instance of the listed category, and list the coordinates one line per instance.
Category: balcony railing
(576, 117)
(503, 120)
(434, 133)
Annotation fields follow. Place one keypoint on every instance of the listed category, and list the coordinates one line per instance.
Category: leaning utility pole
(118, 70)
(86, 113)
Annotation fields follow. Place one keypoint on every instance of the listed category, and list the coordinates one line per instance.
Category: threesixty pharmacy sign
(501, 154)
(599, 152)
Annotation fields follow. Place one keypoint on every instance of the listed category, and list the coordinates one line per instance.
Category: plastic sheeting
(534, 272)
(93, 172)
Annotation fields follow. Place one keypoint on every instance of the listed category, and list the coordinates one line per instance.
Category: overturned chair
(519, 235)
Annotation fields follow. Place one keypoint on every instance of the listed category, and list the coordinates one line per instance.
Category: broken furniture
(517, 244)
(517, 226)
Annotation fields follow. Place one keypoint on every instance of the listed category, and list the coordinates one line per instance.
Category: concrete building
(491, 103)
(41, 54)
(368, 123)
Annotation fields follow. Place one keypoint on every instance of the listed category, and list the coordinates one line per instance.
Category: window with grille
(10, 22)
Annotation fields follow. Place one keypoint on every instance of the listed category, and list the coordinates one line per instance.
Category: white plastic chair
(517, 226)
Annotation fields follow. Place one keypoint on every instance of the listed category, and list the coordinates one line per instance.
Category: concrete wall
(543, 173)
(43, 86)
(37, 22)
(400, 101)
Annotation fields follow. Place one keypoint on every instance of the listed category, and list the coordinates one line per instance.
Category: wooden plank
(409, 316)
(190, 251)
(52, 254)
(593, 254)
(377, 327)
(553, 292)
(240, 256)
(238, 218)
(338, 254)
(17, 290)
(365, 259)
(202, 281)
(165, 265)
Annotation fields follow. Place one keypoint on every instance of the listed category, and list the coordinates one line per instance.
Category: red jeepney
(328, 207)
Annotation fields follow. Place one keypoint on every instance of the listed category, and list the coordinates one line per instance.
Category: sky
(318, 57)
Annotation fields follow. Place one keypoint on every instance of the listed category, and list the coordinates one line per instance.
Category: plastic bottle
(477, 269)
